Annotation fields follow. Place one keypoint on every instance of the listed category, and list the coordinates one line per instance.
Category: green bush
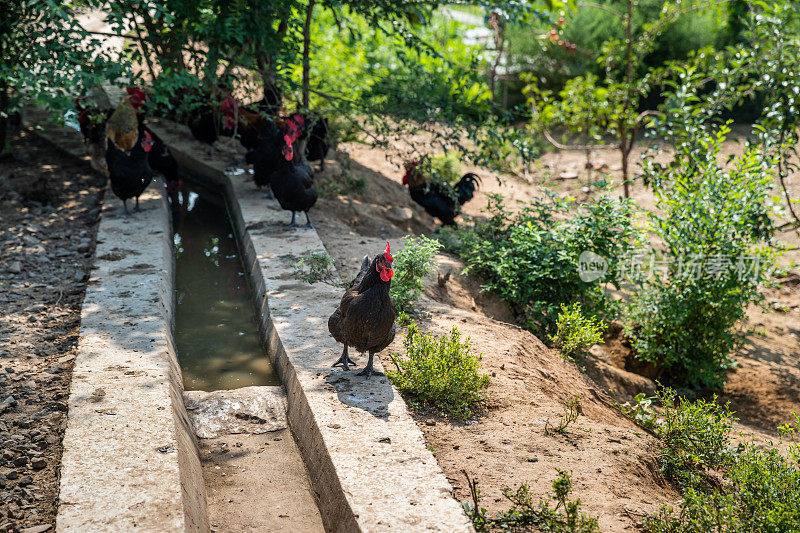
(576, 333)
(725, 488)
(440, 373)
(563, 517)
(696, 437)
(411, 264)
(713, 221)
(531, 258)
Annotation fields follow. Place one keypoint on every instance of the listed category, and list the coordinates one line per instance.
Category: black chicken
(130, 173)
(291, 181)
(317, 148)
(209, 121)
(159, 157)
(161, 160)
(366, 314)
(266, 158)
(439, 199)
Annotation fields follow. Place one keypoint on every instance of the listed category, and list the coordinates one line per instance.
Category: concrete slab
(252, 410)
(130, 460)
(367, 459)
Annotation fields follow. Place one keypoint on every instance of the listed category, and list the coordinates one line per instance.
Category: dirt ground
(48, 215)
(613, 464)
(233, 469)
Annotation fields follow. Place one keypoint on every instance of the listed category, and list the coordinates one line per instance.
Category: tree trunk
(624, 157)
(4, 119)
(624, 146)
(306, 52)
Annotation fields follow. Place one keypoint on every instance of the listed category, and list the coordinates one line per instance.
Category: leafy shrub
(565, 516)
(531, 258)
(576, 333)
(714, 223)
(754, 488)
(440, 373)
(411, 264)
(696, 437)
(320, 268)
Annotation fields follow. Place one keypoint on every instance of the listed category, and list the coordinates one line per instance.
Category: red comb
(387, 254)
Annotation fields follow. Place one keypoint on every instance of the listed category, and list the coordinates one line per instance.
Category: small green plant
(573, 408)
(440, 373)
(317, 268)
(411, 264)
(576, 333)
(642, 412)
(403, 320)
(556, 514)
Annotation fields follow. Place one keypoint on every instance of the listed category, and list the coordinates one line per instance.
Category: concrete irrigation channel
(322, 450)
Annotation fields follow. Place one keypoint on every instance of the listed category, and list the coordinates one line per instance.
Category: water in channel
(216, 334)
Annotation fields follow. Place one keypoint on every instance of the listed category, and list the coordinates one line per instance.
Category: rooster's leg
(308, 222)
(136, 208)
(344, 360)
(369, 370)
(125, 205)
(270, 195)
(293, 223)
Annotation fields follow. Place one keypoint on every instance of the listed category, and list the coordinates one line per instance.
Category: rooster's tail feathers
(466, 187)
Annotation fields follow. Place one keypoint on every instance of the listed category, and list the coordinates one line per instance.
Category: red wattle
(386, 274)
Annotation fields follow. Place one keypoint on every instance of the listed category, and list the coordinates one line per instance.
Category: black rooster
(279, 162)
(130, 173)
(366, 314)
(439, 199)
(159, 157)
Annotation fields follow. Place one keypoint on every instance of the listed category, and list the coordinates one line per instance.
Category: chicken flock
(279, 148)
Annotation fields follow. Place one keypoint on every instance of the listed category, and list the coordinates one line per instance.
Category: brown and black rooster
(365, 316)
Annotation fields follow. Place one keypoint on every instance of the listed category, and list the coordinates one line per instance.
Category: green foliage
(411, 264)
(531, 258)
(573, 408)
(713, 222)
(592, 106)
(557, 514)
(440, 373)
(696, 437)
(65, 59)
(576, 333)
(403, 320)
(725, 488)
(446, 167)
(320, 268)
(368, 68)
